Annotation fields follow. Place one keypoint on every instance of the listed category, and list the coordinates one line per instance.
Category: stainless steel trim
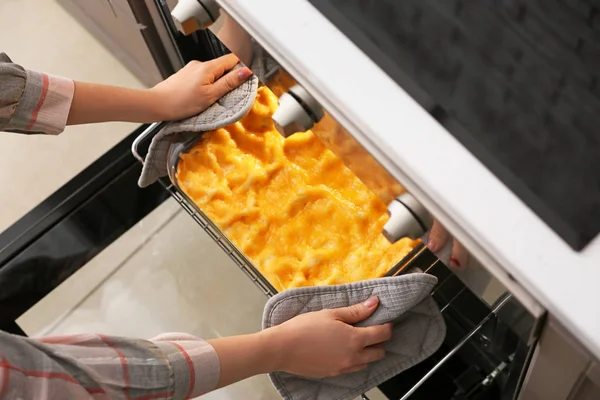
(452, 299)
(151, 130)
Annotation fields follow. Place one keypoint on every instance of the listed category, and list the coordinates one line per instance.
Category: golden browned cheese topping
(290, 205)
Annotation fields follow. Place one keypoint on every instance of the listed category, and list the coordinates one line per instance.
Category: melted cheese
(290, 205)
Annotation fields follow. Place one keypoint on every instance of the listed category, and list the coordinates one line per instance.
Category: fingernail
(371, 302)
(454, 262)
(244, 73)
(432, 246)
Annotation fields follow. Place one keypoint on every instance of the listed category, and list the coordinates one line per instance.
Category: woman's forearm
(317, 344)
(101, 103)
(191, 90)
(244, 356)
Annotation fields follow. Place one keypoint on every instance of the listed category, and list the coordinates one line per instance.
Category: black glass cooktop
(516, 81)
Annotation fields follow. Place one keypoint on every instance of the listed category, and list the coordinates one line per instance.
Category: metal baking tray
(419, 257)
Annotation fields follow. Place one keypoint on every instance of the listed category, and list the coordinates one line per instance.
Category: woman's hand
(188, 92)
(324, 343)
(196, 86)
(438, 237)
(317, 344)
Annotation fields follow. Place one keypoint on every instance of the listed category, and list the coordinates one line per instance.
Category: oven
(502, 342)
(390, 87)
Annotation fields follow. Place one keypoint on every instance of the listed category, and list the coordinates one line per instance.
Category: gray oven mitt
(418, 331)
(228, 109)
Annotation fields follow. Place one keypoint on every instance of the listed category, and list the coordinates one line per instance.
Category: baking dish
(477, 322)
(185, 141)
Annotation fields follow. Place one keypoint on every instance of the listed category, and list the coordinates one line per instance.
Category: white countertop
(482, 213)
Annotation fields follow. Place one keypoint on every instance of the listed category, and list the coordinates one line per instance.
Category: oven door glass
(515, 82)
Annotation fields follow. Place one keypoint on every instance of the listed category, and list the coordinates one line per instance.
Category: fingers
(219, 66)
(357, 312)
(376, 334)
(438, 236)
(230, 81)
(459, 255)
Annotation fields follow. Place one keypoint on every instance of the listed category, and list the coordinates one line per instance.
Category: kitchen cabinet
(562, 368)
(124, 29)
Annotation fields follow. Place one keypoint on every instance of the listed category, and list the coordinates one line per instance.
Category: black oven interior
(487, 348)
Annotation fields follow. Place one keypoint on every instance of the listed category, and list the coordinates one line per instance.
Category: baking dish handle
(150, 131)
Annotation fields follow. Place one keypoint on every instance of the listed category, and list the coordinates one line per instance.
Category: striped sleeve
(32, 102)
(173, 366)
